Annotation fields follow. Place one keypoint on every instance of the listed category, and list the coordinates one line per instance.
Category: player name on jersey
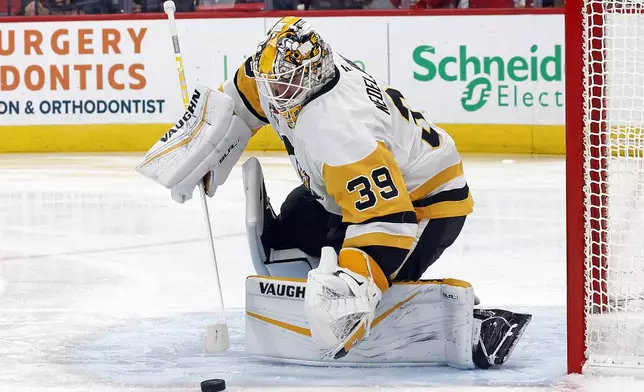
(374, 94)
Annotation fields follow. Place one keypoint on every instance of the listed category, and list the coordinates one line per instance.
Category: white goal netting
(614, 184)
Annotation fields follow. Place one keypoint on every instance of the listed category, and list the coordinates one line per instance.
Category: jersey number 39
(381, 180)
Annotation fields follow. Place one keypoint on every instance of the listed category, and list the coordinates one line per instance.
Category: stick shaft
(178, 59)
(204, 204)
(202, 191)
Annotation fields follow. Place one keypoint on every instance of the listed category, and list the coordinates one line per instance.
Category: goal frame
(585, 73)
(575, 243)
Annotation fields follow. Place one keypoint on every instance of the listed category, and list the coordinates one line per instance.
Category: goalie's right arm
(208, 139)
(242, 88)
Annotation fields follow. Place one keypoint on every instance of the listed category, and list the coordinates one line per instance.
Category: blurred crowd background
(75, 7)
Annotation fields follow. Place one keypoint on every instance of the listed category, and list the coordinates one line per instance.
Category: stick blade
(217, 338)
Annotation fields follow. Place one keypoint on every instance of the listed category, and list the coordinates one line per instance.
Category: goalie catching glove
(341, 299)
(204, 145)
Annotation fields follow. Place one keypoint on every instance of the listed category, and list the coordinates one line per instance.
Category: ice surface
(106, 283)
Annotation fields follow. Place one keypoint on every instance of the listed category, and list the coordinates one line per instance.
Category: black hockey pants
(303, 223)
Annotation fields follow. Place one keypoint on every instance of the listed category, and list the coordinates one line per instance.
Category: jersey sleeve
(375, 204)
(242, 88)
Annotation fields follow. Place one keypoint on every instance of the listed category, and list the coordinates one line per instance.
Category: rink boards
(111, 84)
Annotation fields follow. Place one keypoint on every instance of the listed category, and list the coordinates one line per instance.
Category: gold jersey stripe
(439, 179)
(446, 209)
(379, 239)
(336, 179)
(247, 89)
(252, 130)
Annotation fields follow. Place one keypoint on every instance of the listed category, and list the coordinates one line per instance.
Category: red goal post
(605, 185)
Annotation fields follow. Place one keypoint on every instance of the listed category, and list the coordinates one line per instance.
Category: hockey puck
(214, 385)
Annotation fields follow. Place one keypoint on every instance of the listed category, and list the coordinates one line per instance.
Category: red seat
(491, 4)
(231, 7)
(15, 6)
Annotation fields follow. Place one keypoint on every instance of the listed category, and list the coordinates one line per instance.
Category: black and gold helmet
(290, 63)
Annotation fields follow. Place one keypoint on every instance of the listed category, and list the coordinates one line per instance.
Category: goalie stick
(217, 338)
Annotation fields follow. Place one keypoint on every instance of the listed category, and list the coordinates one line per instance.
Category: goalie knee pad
(262, 224)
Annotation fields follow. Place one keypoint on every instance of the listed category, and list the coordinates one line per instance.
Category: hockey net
(610, 140)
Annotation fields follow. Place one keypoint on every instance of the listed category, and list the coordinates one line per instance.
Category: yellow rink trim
(503, 138)
(102, 138)
(482, 138)
(80, 138)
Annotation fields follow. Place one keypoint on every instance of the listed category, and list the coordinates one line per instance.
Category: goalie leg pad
(262, 226)
(500, 331)
(458, 304)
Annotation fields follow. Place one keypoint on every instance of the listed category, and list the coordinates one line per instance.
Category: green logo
(476, 94)
(522, 80)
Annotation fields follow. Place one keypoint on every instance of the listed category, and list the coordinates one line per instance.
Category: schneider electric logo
(516, 81)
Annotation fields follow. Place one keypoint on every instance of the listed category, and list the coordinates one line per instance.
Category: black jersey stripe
(398, 217)
(451, 195)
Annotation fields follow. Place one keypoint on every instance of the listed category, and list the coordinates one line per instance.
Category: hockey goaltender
(383, 195)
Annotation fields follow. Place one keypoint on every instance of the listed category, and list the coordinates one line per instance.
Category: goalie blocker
(416, 323)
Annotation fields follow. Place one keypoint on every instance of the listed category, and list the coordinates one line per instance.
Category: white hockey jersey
(365, 155)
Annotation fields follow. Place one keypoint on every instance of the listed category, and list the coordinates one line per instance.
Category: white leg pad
(288, 263)
(458, 307)
(253, 180)
(417, 323)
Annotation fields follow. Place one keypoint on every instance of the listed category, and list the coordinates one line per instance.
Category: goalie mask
(290, 64)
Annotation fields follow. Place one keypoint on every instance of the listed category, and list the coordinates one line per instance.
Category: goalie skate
(500, 330)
